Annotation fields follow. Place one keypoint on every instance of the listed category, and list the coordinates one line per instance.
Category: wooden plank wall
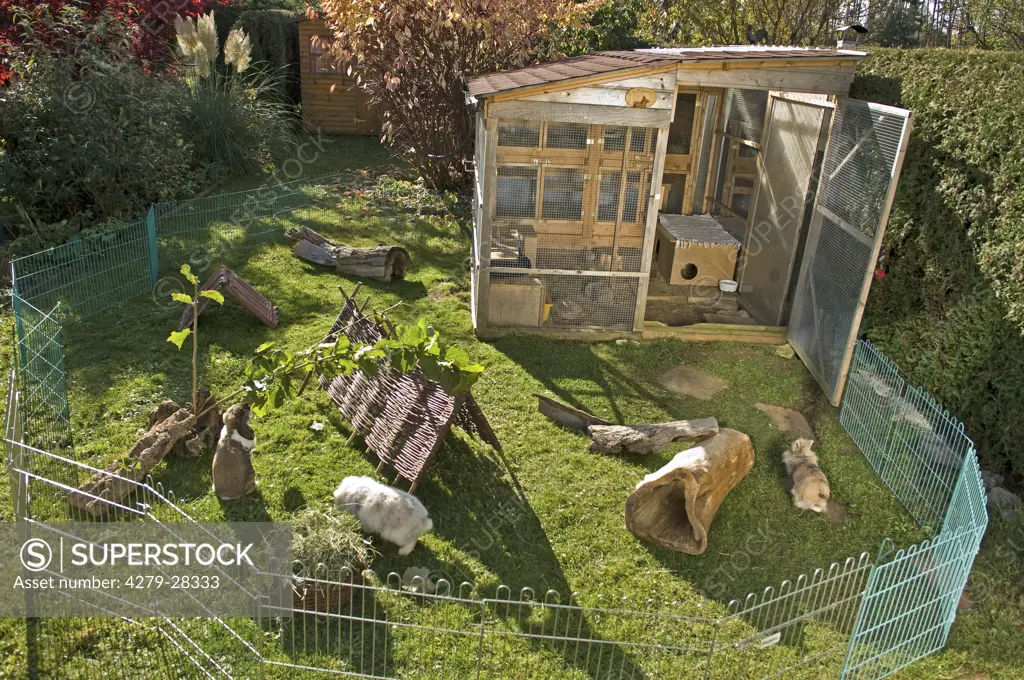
(341, 110)
(828, 77)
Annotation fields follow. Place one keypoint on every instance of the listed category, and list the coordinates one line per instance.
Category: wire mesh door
(862, 165)
(794, 130)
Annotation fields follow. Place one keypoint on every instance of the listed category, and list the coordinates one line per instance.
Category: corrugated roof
(598, 63)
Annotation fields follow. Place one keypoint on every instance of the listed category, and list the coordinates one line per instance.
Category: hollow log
(108, 488)
(379, 262)
(643, 439)
(674, 506)
(566, 415)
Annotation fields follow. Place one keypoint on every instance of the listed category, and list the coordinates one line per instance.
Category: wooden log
(566, 415)
(379, 262)
(642, 439)
(674, 506)
(108, 489)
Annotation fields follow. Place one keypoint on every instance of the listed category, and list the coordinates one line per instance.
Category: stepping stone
(788, 420)
(691, 382)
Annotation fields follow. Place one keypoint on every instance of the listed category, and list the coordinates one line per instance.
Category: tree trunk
(674, 506)
(644, 439)
(379, 262)
(106, 490)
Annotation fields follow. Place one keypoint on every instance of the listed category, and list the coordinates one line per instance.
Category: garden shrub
(413, 58)
(85, 134)
(950, 307)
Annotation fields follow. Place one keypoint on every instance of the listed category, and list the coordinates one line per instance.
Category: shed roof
(598, 63)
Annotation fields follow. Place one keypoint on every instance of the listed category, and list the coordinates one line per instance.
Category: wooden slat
(600, 96)
(715, 332)
(822, 80)
(580, 113)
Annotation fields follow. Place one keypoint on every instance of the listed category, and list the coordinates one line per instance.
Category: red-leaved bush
(413, 58)
(154, 18)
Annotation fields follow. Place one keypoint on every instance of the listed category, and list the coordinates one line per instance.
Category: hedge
(950, 307)
(275, 47)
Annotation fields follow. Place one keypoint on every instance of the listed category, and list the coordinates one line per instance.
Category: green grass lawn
(569, 535)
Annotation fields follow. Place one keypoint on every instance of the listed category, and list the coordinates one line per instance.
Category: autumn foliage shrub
(413, 58)
(149, 24)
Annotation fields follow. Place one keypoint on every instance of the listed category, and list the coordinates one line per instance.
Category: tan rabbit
(233, 475)
(810, 486)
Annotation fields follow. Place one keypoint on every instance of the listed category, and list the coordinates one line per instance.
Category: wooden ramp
(233, 285)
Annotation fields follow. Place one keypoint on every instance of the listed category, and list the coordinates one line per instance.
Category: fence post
(154, 259)
(18, 324)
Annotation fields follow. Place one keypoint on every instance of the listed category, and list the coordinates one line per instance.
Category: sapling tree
(177, 338)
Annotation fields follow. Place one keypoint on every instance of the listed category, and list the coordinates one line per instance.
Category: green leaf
(186, 271)
(264, 347)
(413, 336)
(182, 298)
(214, 295)
(177, 338)
(457, 356)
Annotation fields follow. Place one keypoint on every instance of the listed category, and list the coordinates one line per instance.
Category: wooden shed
(331, 102)
(630, 192)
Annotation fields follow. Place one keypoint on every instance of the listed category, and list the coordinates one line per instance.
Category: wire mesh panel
(44, 404)
(922, 453)
(561, 301)
(568, 197)
(915, 446)
(910, 604)
(527, 635)
(745, 112)
(801, 630)
(777, 216)
(860, 168)
(89, 274)
(869, 402)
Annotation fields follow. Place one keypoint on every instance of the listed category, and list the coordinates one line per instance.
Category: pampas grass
(238, 50)
(234, 122)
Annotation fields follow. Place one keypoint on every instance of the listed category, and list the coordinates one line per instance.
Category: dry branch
(643, 439)
(675, 505)
(380, 262)
(108, 488)
(566, 415)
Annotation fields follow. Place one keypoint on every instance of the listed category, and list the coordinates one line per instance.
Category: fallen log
(674, 506)
(204, 434)
(379, 262)
(642, 439)
(566, 415)
(107, 489)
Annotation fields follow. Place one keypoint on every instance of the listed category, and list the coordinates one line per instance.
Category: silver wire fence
(858, 618)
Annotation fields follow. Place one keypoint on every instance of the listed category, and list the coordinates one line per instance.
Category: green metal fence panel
(89, 274)
(45, 409)
(915, 445)
(924, 456)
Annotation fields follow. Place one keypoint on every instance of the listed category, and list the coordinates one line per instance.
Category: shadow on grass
(553, 363)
